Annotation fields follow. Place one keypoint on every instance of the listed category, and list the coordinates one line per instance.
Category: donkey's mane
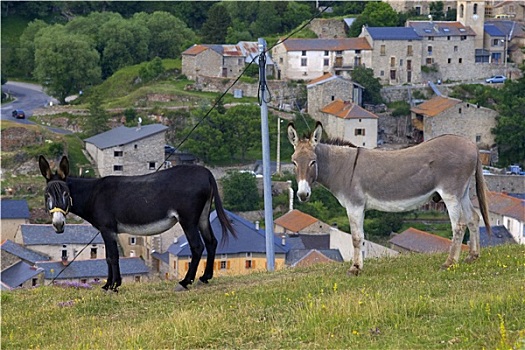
(338, 142)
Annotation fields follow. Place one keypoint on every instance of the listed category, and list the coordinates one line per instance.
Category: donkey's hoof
(181, 288)
(354, 271)
(471, 258)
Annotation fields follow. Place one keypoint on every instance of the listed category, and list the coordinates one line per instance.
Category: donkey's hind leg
(209, 241)
(112, 258)
(457, 220)
(196, 247)
(473, 220)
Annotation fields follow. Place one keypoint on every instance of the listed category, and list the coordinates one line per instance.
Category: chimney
(290, 196)
(257, 224)
(283, 240)
(139, 125)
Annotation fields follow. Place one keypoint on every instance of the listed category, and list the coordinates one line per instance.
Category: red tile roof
(195, 50)
(347, 110)
(418, 241)
(326, 44)
(503, 204)
(435, 106)
(295, 220)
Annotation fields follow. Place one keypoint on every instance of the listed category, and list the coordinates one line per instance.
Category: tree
(65, 63)
(375, 14)
(295, 14)
(26, 51)
(215, 29)
(151, 70)
(510, 124)
(437, 10)
(168, 35)
(240, 192)
(97, 121)
(365, 77)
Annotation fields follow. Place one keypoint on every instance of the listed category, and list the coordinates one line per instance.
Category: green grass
(397, 303)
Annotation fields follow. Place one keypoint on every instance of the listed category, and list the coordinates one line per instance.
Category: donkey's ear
(316, 135)
(63, 168)
(292, 135)
(44, 167)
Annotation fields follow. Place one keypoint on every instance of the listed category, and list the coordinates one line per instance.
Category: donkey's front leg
(356, 219)
(112, 258)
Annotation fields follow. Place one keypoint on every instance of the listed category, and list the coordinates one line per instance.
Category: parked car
(19, 114)
(495, 79)
(169, 149)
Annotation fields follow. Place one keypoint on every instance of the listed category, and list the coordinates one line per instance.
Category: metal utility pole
(267, 175)
(278, 170)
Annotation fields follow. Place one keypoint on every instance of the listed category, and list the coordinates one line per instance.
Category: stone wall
(17, 137)
(327, 28)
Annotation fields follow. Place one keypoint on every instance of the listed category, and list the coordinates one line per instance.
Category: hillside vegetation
(397, 303)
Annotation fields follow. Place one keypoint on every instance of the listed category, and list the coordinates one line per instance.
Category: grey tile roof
(19, 273)
(440, 28)
(500, 235)
(93, 268)
(23, 252)
(393, 33)
(492, 30)
(249, 240)
(124, 135)
(14, 209)
(73, 234)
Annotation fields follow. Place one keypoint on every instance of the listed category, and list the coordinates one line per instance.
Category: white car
(496, 79)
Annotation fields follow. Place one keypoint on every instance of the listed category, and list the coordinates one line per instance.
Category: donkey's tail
(481, 191)
(221, 214)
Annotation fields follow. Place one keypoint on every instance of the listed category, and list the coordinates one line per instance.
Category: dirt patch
(17, 137)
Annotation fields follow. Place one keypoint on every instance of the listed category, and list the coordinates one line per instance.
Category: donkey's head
(305, 160)
(57, 195)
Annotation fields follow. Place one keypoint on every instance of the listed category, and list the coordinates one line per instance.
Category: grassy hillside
(397, 303)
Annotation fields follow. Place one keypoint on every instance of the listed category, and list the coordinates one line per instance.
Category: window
(431, 38)
(463, 37)
(152, 165)
(357, 52)
(303, 53)
(359, 132)
(281, 60)
(303, 62)
(392, 61)
(401, 62)
(459, 111)
(64, 254)
(449, 60)
(34, 282)
(224, 265)
(339, 52)
(382, 50)
(409, 64)
(478, 138)
(93, 254)
(137, 278)
(392, 74)
(429, 49)
(448, 37)
(455, 48)
(461, 11)
(460, 60)
(118, 154)
(118, 168)
(326, 52)
(409, 76)
(409, 50)
(248, 264)
(132, 240)
(475, 11)
(429, 60)
(382, 73)
(326, 62)
(83, 280)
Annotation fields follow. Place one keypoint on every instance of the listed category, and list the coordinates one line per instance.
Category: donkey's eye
(312, 163)
(294, 163)
(50, 203)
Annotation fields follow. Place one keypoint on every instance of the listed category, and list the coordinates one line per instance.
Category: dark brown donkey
(395, 181)
(140, 205)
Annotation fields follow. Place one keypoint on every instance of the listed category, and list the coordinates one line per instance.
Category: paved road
(28, 97)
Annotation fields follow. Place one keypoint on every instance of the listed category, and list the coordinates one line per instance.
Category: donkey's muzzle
(59, 222)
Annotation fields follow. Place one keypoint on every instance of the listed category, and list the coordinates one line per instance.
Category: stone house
(296, 221)
(18, 266)
(93, 271)
(396, 54)
(350, 122)
(511, 9)
(327, 88)
(307, 59)
(224, 61)
(128, 151)
(447, 47)
(504, 41)
(416, 241)
(63, 247)
(507, 211)
(244, 255)
(14, 213)
(420, 7)
(444, 115)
